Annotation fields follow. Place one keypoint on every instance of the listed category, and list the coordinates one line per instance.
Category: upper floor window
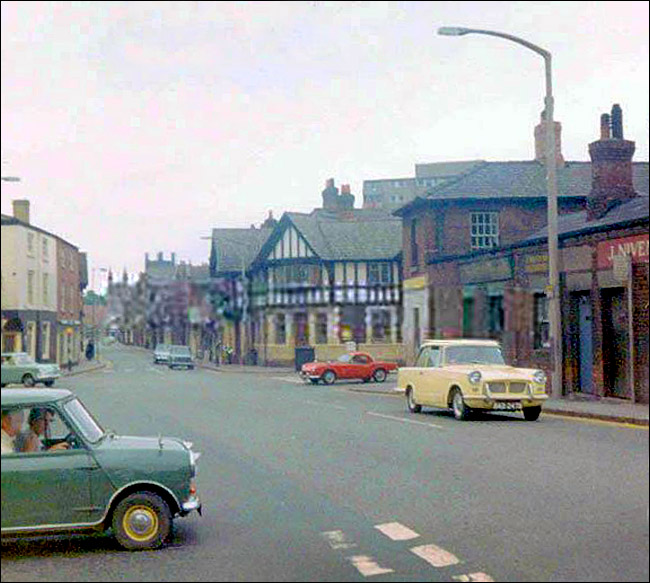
(30, 243)
(415, 256)
(379, 273)
(484, 230)
(541, 328)
(46, 250)
(30, 287)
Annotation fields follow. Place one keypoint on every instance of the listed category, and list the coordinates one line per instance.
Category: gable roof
(237, 247)
(358, 234)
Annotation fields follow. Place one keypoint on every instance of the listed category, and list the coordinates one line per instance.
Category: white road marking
(330, 405)
(337, 539)
(435, 555)
(151, 368)
(367, 566)
(473, 577)
(397, 531)
(290, 380)
(403, 420)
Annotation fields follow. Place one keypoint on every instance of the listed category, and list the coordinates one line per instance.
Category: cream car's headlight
(539, 376)
(474, 377)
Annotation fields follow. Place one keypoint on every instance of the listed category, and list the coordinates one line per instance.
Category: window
(30, 287)
(321, 328)
(540, 322)
(415, 255)
(380, 326)
(484, 230)
(423, 358)
(379, 273)
(30, 243)
(46, 288)
(45, 340)
(46, 250)
(280, 329)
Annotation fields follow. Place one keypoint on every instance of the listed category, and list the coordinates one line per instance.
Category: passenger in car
(32, 440)
(12, 421)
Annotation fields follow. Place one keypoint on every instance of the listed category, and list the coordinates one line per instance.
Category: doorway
(585, 344)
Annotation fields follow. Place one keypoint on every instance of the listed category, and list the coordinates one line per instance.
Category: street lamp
(552, 290)
(11, 178)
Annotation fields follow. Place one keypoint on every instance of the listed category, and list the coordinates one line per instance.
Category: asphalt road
(314, 483)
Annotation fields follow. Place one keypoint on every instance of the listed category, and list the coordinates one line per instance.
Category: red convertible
(354, 365)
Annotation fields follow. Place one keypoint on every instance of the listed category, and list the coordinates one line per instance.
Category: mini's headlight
(539, 376)
(474, 377)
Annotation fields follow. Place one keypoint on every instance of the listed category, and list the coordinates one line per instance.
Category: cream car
(470, 374)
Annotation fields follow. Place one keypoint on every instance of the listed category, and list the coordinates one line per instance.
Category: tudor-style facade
(325, 279)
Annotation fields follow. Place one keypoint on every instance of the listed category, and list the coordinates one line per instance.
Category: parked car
(467, 375)
(180, 356)
(21, 368)
(90, 479)
(161, 354)
(354, 365)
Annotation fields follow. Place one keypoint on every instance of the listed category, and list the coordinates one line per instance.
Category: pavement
(575, 405)
(84, 366)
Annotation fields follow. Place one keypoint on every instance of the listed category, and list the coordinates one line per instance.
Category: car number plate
(507, 406)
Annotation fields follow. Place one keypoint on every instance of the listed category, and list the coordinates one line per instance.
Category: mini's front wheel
(142, 521)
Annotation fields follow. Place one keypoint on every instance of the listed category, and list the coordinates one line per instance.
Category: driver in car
(32, 439)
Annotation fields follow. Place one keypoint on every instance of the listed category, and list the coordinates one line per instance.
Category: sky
(139, 126)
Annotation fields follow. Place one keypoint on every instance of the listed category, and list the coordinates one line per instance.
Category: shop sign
(415, 283)
(536, 263)
(487, 270)
(636, 247)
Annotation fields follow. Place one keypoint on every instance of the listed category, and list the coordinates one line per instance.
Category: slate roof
(444, 169)
(526, 179)
(237, 246)
(359, 234)
(635, 210)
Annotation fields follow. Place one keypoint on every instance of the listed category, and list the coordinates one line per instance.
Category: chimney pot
(21, 210)
(604, 127)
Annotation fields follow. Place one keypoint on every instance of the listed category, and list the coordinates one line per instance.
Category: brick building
(498, 291)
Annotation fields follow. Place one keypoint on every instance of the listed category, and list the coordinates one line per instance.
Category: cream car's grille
(516, 388)
(497, 387)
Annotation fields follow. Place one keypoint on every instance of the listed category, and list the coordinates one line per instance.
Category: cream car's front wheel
(411, 405)
(461, 410)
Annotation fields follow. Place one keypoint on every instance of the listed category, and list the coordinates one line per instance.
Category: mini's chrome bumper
(192, 503)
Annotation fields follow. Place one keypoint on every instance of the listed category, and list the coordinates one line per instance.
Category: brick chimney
(330, 196)
(611, 167)
(21, 210)
(540, 141)
(346, 201)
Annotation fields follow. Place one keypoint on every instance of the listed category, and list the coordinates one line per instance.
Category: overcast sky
(139, 127)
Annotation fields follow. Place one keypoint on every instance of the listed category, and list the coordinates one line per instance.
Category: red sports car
(354, 365)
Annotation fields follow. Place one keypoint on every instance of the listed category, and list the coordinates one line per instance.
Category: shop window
(381, 326)
(540, 322)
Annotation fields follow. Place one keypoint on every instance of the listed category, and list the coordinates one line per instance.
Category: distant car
(21, 368)
(180, 356)
(354, 365)
(467, 375)
(85, 479)
(161, 354)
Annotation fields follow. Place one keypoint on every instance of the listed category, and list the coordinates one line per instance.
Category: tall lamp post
(552, 290)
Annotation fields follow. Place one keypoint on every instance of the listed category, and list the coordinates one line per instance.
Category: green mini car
(21, 368)
(61, 472)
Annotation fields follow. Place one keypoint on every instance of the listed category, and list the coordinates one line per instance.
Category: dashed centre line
(367, 566)
(404, 420)
(435, 556)
(473, 577)
(396, 531)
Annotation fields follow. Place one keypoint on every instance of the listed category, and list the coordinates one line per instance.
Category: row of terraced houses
(459, 250)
